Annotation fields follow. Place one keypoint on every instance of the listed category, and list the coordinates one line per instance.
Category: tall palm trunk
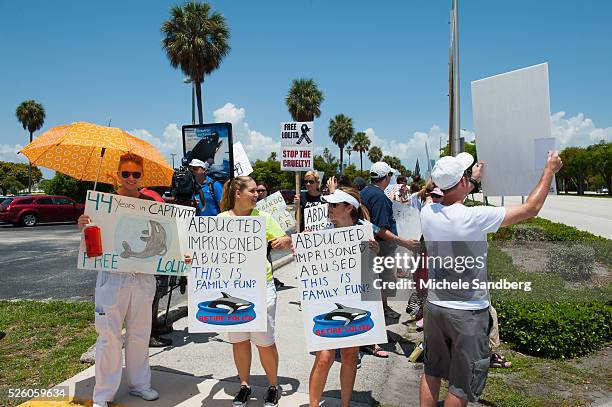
(30, 171)
(360, 160)
(199, 101)
(341, 159)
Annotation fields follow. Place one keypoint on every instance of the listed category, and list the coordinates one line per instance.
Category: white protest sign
(340, 306)
(275, 205)
(297, 146)
(511, 111)
(227, 283)
(317, 217)
(138, 235)
(242, 165)
(407, 221)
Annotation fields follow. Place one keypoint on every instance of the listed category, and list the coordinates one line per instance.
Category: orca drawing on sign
(345, 313)
(155, 237)
(232, 304)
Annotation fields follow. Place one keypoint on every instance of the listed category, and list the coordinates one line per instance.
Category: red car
(32, 209)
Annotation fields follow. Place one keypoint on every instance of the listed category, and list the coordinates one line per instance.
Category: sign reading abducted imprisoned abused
(297, 146)
(340, 306)
(138, 235)
(275, 205)
(317, 217)
(227, 284)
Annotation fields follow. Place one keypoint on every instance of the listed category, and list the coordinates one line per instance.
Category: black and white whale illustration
(345, 313)
(155, 237)
(230, 303)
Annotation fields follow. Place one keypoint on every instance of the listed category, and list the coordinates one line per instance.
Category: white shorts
(263, 339)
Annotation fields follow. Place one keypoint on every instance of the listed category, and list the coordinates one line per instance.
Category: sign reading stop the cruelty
(297, 146)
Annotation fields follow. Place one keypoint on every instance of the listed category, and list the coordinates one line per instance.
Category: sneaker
(100, 404)
(159, 342)
(272, 396)
(146, 394)
(242, 397)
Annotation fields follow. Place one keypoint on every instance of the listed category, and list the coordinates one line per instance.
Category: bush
(528, 233)
(556, 329)
(573, 262)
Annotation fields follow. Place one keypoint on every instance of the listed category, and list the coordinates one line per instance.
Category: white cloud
(577, 131)
(9, 153)
(256, 144)
(170, 141)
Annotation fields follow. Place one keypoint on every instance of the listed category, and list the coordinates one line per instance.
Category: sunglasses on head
(309, 181)
(134, 174)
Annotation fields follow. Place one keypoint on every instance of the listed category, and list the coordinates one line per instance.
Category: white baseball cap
(339, 196)
(380, 169)
(448, 170)
(199, 163)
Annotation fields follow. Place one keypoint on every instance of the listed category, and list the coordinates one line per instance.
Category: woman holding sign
(123, 297)
(345, 209)
(239, 199)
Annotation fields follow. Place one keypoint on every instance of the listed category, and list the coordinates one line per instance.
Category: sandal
(499, 362)
(374, 350)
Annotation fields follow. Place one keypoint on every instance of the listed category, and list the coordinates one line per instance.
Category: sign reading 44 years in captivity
(138, 235)
(297, 146)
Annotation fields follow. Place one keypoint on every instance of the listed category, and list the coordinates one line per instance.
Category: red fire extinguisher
(93, 240)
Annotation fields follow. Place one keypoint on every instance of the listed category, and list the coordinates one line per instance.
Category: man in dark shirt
(381, 213)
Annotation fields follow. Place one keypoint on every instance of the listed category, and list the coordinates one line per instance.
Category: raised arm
(535, 200)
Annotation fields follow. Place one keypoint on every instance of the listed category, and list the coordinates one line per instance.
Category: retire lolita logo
(342, 322)
(226, 310)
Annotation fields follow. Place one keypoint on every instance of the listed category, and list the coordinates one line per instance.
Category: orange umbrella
(91, 152)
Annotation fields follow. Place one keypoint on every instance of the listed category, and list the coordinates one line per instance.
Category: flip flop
(375, 350)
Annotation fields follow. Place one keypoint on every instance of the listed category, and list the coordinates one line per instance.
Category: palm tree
(304, 100)
(375, 154)
(196, 41)
(348, 150)
(341, 132)
(361, 143)
(31, 115)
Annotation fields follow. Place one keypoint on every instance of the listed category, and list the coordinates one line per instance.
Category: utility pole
(454, 122)
(173, 154)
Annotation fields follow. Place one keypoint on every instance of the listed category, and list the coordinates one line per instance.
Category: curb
(283, 261)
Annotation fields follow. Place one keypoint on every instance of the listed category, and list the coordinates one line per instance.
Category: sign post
(297, 152)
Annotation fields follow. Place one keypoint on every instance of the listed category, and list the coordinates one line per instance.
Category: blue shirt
(211, 208)
(380, 207)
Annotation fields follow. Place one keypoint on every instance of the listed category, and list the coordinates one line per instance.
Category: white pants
(263, 339)
(119, 297)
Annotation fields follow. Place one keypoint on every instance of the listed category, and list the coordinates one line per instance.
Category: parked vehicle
(3, 198)
(33, 209)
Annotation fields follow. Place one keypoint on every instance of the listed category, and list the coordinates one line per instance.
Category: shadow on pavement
(231, 385)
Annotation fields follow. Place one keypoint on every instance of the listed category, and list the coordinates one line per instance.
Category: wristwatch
(476, 184)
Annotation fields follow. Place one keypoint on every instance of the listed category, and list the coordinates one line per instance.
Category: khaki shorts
(457, 348)
(263, 339)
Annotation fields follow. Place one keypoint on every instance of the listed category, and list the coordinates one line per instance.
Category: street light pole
(189, 80)
(173, 154)
(454, 134)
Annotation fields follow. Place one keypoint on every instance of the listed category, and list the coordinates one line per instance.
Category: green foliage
(270, 173)
(14, 174)
(586, 167)
(326, 163)
(553, 231)
(341, 132)
(528, 233)
(559, 329)
(396, 163)
(375, 154)
(304, 100)
(467, 146)
(351, 172)
(65, 185)
(574, 261)
(195, 40)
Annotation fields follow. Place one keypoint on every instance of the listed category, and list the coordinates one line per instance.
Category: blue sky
(383, 64)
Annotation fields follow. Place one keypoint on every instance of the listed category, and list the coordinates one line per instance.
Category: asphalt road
(40, 263)
(583, 212)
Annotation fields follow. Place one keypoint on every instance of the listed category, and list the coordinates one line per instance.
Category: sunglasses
(134, 174)
(309, 181)
(262, 190)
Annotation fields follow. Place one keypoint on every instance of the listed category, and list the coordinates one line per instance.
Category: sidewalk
(198, 370)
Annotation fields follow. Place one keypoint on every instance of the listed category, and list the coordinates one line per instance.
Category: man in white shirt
(457, 320)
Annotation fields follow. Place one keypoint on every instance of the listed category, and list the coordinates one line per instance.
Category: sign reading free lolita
(340, 306)
(227, 283)
(138, 235)
(211, 143)
(297, 146)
